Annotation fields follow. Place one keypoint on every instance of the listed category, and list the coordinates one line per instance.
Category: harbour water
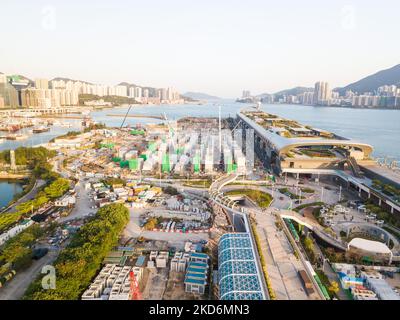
(8, 190)
(380, 128)
(39, 138)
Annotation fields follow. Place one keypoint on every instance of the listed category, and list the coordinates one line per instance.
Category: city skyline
(221, 49)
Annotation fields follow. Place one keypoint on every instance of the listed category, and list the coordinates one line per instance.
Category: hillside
(68, 79)
(200, 96)
(294, 91)
(115, 100)
(373, 82)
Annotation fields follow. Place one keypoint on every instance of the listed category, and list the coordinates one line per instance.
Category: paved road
(82, 207)
(16, 288)
(29, 196)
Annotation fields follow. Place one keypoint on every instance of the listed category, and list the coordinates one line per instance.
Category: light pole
(220, 128)
(340, 193)
(323, 263)
(272, 193)
(322, 193)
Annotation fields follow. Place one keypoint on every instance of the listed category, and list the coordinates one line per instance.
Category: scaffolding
(166, 165)
(133, 164)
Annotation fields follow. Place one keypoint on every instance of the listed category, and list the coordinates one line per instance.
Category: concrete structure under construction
(112, 283)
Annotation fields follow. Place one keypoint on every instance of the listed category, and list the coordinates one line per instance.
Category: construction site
(173, 148)
(134, 273)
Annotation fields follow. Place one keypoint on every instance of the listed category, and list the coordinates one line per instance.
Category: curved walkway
(219, 198)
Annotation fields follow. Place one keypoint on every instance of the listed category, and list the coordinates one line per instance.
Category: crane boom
(126, 115)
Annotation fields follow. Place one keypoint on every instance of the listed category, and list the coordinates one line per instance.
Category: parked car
(39, 253)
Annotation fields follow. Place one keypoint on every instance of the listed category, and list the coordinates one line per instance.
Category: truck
(305, 280)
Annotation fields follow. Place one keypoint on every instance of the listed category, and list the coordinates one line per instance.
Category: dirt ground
(162, 284)
(176, 288)
(156, 284)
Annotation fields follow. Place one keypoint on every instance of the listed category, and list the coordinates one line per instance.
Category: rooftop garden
(386, 189)
(318, 153)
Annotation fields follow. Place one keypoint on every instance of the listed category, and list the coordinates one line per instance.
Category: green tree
(57, 188)
(80, 261)
(334, 287)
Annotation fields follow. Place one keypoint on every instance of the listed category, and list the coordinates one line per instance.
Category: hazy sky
(216, 46)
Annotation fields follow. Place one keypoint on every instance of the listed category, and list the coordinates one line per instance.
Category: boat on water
(9, 127)
(17, 136)
(40, 129)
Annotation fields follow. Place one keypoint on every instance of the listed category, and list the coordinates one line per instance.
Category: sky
(220, 47)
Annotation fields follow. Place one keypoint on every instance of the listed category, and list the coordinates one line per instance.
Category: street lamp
(323, 264)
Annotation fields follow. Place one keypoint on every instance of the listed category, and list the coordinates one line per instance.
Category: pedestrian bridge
(318, 230)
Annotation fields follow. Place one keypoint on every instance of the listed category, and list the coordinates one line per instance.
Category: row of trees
(53, 191)
(16, 253)
(385, 188)
(80, 261)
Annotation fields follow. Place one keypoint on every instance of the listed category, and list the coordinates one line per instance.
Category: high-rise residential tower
(41, 83)
(322, 93)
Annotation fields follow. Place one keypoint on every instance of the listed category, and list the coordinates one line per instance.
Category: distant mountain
(371, 83)
(68, 79)
(200, 96)
(294, 91)
(289, 92)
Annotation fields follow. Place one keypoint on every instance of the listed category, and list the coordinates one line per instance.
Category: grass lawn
(290, 194)
(198, 184)
(262, 199)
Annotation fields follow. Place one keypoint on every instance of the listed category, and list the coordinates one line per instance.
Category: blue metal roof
(199, 255)
(196, 275)
(238, 275)
(195, 281)
(196, 270)
(140, 261)
(198, 264)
